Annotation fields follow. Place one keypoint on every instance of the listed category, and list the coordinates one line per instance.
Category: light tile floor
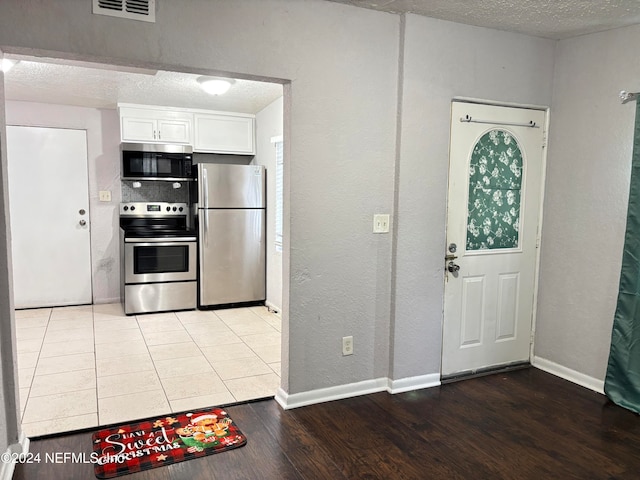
(92, 365)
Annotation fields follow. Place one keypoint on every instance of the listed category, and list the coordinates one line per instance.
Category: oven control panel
(153, 209)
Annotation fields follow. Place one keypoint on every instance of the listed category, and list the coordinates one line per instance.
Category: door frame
(68, 57)
(8, 355)
(88, 209)
(543, 176)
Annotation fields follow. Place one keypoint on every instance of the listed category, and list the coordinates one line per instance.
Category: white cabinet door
(224, 134)
(135, 129)
(49, 202)
(174, 130)
(155, 125)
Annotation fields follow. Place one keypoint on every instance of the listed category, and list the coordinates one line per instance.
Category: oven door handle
(164, 241)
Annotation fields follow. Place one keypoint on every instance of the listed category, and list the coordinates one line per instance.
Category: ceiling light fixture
(7, 64)
(215, 86)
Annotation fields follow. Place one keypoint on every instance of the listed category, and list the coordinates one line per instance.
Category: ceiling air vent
(144, 10)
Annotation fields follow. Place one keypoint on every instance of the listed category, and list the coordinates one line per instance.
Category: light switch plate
(105, 195)
(381, 223)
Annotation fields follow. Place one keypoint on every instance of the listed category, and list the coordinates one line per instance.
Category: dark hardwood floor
(521, 424)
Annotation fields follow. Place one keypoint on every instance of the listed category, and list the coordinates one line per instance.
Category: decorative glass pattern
(495, 179)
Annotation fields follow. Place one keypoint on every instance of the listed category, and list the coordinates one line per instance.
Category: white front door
(49, 207)
(494, 199)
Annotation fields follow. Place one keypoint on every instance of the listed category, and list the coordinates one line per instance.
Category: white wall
(443, 60)
(103, 153)
(587, 191)
(269, 123)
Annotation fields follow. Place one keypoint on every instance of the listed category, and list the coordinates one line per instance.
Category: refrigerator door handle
(206, 228)
(205, 200)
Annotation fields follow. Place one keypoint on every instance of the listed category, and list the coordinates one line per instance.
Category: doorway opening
(94, 351)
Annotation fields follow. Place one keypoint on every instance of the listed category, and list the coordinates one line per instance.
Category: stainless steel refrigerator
(231, 233)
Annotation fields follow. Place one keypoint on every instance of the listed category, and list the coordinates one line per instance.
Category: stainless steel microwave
(143, 161)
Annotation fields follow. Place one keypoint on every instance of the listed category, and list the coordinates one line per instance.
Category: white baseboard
(321, 395)
(366, 387)
(6, 469)
(282, 398)
(340, 392)
(563, 372)
(413, 383)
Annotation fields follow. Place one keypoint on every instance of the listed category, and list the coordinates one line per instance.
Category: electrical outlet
(105, 195)
(347, 345)
(381, 223)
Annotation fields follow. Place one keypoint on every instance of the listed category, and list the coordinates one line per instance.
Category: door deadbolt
(453, 247)
(82, 211)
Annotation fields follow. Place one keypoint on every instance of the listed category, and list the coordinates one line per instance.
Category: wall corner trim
(568, 374)
(282, 398)
(321, 395)
(7, 468)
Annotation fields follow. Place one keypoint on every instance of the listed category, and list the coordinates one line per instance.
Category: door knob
(83, 223)
(452, 267)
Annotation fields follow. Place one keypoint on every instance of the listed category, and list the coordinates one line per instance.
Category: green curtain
(622, 383)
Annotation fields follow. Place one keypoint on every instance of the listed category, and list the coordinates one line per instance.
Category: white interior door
(495, 179)
(48, 193)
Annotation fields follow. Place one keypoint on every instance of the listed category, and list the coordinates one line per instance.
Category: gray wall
(443, 60)
(8, 357)
(587, 191)
(347, 159)
(342, 63)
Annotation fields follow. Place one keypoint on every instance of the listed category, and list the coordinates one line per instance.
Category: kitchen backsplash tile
(155, 191)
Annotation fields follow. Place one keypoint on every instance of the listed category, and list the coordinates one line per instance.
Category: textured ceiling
(555, 19)
(103, 86)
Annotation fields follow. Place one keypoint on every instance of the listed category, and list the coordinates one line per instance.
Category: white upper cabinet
(224, 133)
(175, 130)
(133, 129)
(207, 131)
(155, 125)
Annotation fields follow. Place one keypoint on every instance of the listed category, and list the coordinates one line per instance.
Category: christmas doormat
(156, 442)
